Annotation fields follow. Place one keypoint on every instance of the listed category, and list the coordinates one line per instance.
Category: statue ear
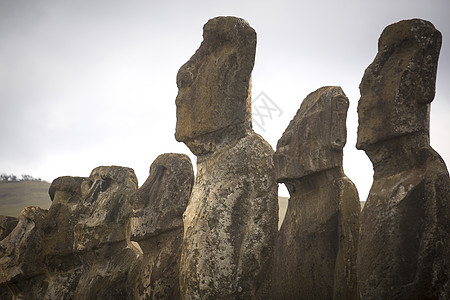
(427, 87)
(338, 131)
(419, 83)
(428, 67)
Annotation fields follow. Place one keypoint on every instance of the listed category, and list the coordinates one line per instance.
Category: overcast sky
(90, 83)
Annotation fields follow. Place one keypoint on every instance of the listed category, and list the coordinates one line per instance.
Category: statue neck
(398, 154)
(314, 181)
(209, 143)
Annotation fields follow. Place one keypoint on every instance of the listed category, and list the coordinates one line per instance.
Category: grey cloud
(86, 77)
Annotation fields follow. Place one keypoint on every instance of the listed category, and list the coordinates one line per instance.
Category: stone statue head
(159, 204)
(214, 85)
(66, 194)
(21, 251)
(105, 209)
(314, 139)
(398, 86)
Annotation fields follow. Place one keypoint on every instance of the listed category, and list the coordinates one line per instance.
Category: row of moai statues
(102, 237)
(215, 236)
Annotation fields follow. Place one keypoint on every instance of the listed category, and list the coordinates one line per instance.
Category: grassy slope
(14, 196)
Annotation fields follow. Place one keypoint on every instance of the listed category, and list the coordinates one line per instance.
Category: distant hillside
(16, 195)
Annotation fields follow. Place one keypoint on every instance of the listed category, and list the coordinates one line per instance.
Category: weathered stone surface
(316, 247)
(399, 83)
(314, 139)
(44, 241)
(108, 272)
(7, 224)
(214, 99)
(106, 208)
(21, 260)
(157, 225)
(230, 223)
(63, 267)
(231, 219)
(404, 249)
(159, 204)
(100, 236)
(66, 195)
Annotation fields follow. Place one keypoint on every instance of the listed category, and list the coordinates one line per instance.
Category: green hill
(14, 196)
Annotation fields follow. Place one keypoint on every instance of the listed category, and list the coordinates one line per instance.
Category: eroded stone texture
(44, 241)
(100, 236)
(7, 224)
(157, 225)
(230, 223)
(231, 219)
(316, 247)
(314, 139)
(399, 83)
(63, 267)
(214, 99)
(66, 195)
(405, 224)
(22, 263)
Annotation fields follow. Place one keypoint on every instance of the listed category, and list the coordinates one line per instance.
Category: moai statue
(22, 272)
(316, 247)
(404, 249)
(63, 267)
(100, 236)
(231, 219)
(157, 225)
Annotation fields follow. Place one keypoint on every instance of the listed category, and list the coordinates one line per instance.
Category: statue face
(158, 205)
(207, 100)
(398, 86)
(105, 208)
(213, 86)
(314, 139)
(67, 194)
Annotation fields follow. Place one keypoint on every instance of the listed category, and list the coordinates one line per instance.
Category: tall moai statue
(404, 249)
(101, 236)
(316, 247)
(157, 225)
(231, 219)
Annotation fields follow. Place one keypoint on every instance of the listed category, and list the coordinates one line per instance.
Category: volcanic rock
(7, 224)
(64, 268)
(22, 273)
(157, 225)
(100, 236)
(214, 99)
(316, 247)
(404, 249)
(231, 219)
